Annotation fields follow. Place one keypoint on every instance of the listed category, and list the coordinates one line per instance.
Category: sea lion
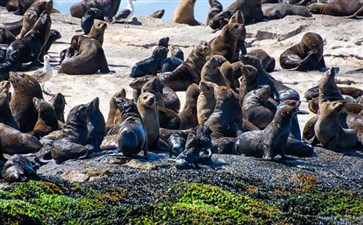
(210, 72)
(206, 101)
(177, 52)
(90, 53)
(226, 119)
(15, 142)
(328, 89)
(215, 8)
(88, 18)
(354, 92)
(164, 42)
(188, 72)
(18, 168)
(113, 109)
(15, 27)
(272, 140)
(47, 118)
(305, 55)
(328, 129)
(58, 102)
(151, 65)
(132, 136)
(5, 114)
(177, 144)
(352, 9)
(268, 62)
(108, 8)
(168, 118)
(72, 142)
(21, 105)
(184, 13)
(248, 82)
(158, 14)
(280, 10)
(188, 114)
(6, 37)
(237, 17)
(155, 87)
(231, 73)
(97, 31)
(170, 64)
(96, 125)
(53, 36)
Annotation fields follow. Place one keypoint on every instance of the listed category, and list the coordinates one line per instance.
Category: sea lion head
(263, 93)
(54, 34)
(207, 88)
(148, 100)
(125, 105)
(220, 20)
(212, 65)
(316, 8)
(94, 105)
(249, 72)
(203, 48)
(164, 41)
(41, 105)
(59, 100)
(78, 115)
(100, 26)
(234, 29)
(25, 82)
(313, 42)
(152, 86)
(17, 168)
(286, 112)
(138, 82)
(252, 60)
(237, 17)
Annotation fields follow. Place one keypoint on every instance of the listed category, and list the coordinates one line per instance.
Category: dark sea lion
(113, 109)
(47, 118)
(151, 65)
(280, 10)
(15, 142)
(272, 140)
(155, 87)
(231, 73)
(97, 31)
(177, 144)
(224, 145)
(206, 101)
(15, 27)
(90, 53)
(72, 142)
(188, 114)
(305, 55)
(353, 9)
(177, 52)
(226, 119)
(6, 37)
(268, 62)
(19, 6)
(248, 82)
(21, 105)
(18, 168)
(53, 36)
(88, 18)
(188, 72)
(132, 136)
(211, 73)
(164, 42)
(328, 89)
(96, 125)
(170, 64)
(168, 118)
(158, 14)
(5, 114)
(58, 102)
(108, 8)
(215, 8)
(184, 13)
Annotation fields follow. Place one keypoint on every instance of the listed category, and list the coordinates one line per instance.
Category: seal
(18, 168)
(305, 55)
(177, 52)
(132, 137)
(88, 19)
(151, 65)
(113, 112)
(58, 102)
(231, 73)
(184, 13)
(158, 14)
(268, 62)
(5, 114)
(280, 10)
(328, 89)
(21, 105)
(95, 124)
(328, 129)
(188, 72)
(352, 9)
(210, 72)
(168, 118)
(53, 36)
(47, 118)
(170, 64)
(272, 140)
(248, 81)
(188, 115)
(6, 37)
(206, 101)
(97, 31)
(72, 142)
(226, 119)
(19, 6)
(237, 17)
(155, 87)
(90, 53)
(108, 8)
(354, 92)
(215, 8)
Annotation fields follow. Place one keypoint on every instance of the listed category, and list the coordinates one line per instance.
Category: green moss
(19, 212)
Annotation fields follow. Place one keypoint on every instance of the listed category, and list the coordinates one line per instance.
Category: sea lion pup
(352, 9)
(215, 8)
(188, 115)
(21, 105)
(155, 87)
(237, 17)
(280, 10)
(226, 119)
(88, 19)
(188, 72)
(15, 142)
(328, 89)
(231, 73)
(272, 140)
(18, 168)
(53, 36)
(132, 136)
(113, 109)
(108, 8)
(90, 53)
(225, 43)
(305, 55)
(72, 142)
(206, 101)
(97, 31)
(6, 37)
(96, 125)
(47, 118)
(58, 102)
(150, 65)
(5, 114)
(158, 14)
(267, 61)
(248, 82)
(328, 129)
(184, 13)
(175, 60)
(176, 52)
(211, 73)
(256, 107)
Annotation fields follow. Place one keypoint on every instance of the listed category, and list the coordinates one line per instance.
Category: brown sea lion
(353, 9)
(5, 114)
(90, 53)
(237, 17)
(188, 114)
(231, 73)
(19, 6)
(108, 8)
(206, 101)
(15, 26)
(18, 168)
(305, 55)
(215, 8)
(155, 87)
(188, 72)
(6, 37)
(280, 10)
(328, 89)
(96, 125)
(211, 73)
(351, 91)
(113, 112)
(58, 102)
(168, 118)
(248, 82)
(268, 62)
(47, 118)
(328, 129)
(226, 119)
(97, 31)
(21, 105)
(184, 13)
(272, 140)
